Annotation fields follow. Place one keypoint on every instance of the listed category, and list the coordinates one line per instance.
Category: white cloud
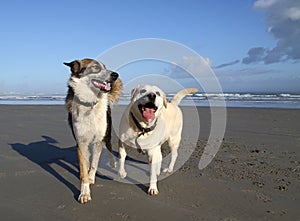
(195, 64)
(283, 20)
(293, 13)
(264, 3)
(189, 66)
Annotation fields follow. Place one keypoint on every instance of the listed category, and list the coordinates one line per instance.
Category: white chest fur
(90, 122)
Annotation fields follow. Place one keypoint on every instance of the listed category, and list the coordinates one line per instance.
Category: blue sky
(252, 46)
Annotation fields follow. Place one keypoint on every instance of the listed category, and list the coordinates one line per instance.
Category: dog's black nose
(114, 76)
(151, 96)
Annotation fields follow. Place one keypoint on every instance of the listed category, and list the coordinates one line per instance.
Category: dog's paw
(85, 193)
(153, 191)
(122, 174)
(84, 198)
(168, 170)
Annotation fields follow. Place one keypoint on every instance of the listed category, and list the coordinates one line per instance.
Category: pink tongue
(148, 114)
(105, 87)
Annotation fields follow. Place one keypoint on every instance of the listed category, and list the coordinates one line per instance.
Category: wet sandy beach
(254, 176)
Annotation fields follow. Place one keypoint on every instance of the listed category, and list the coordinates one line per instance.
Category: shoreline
(254, 176)
(181, 106)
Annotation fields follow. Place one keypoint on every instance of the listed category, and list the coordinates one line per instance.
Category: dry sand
(254, 176)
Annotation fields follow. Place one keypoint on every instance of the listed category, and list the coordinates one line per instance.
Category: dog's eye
(142, 91)
(95, 68)
(157, 93)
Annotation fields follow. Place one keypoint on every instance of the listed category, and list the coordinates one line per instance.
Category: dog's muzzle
(148, 110)
(105, 85)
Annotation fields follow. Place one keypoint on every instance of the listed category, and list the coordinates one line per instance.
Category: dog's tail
(181, 94)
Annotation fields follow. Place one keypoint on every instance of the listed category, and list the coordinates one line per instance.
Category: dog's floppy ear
(133, 91)
(165, 102)
(74, 66)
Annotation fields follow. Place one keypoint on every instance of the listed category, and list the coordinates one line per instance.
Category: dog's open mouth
(101, 85)
(148, 111)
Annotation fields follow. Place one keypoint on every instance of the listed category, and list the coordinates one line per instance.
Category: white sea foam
(276, 100)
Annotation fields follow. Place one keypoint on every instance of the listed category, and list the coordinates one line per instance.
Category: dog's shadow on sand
(46, 154)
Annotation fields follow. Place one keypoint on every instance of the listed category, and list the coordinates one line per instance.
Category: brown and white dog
(147, 123)
(91, 90)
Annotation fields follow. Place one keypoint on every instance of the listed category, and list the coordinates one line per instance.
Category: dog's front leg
(111, 156)
(122, 156)
(155, 158)
(174, 142)
(97, 149)
(83, 158)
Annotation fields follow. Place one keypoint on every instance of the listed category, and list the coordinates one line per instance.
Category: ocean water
(271, 100)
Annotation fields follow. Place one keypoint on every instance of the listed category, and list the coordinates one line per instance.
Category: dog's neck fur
(86, 104)
(85, 109)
